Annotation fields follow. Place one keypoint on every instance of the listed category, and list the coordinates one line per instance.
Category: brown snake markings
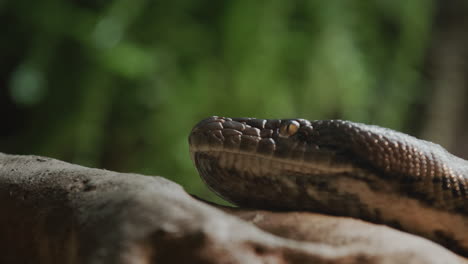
(337, 167)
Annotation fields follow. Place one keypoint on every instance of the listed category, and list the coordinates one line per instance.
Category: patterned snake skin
(337, 167)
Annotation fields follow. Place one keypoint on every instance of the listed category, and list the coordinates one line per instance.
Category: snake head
(292, 141)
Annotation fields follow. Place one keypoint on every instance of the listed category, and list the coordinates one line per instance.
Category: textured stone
(56, 212)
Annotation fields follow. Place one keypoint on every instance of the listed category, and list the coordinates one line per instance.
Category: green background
(119, 84)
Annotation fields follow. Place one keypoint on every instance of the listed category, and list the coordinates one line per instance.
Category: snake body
(337, 167)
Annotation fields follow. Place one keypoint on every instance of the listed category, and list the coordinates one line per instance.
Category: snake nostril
(218, 135)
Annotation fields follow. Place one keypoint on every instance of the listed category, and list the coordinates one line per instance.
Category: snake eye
(288, 129)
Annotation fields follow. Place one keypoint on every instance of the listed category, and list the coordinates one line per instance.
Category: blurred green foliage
(119, 84)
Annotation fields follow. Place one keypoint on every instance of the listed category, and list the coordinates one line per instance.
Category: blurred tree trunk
(447, 122)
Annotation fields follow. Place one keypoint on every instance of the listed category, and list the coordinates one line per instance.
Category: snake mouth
(261, 165)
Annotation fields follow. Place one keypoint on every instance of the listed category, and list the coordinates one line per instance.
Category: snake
(336, 167)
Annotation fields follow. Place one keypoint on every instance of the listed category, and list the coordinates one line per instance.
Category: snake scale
(337, 167)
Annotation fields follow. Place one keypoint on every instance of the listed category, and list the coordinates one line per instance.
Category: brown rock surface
(56, 212)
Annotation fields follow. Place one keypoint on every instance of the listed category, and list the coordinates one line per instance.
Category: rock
(56, 212)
